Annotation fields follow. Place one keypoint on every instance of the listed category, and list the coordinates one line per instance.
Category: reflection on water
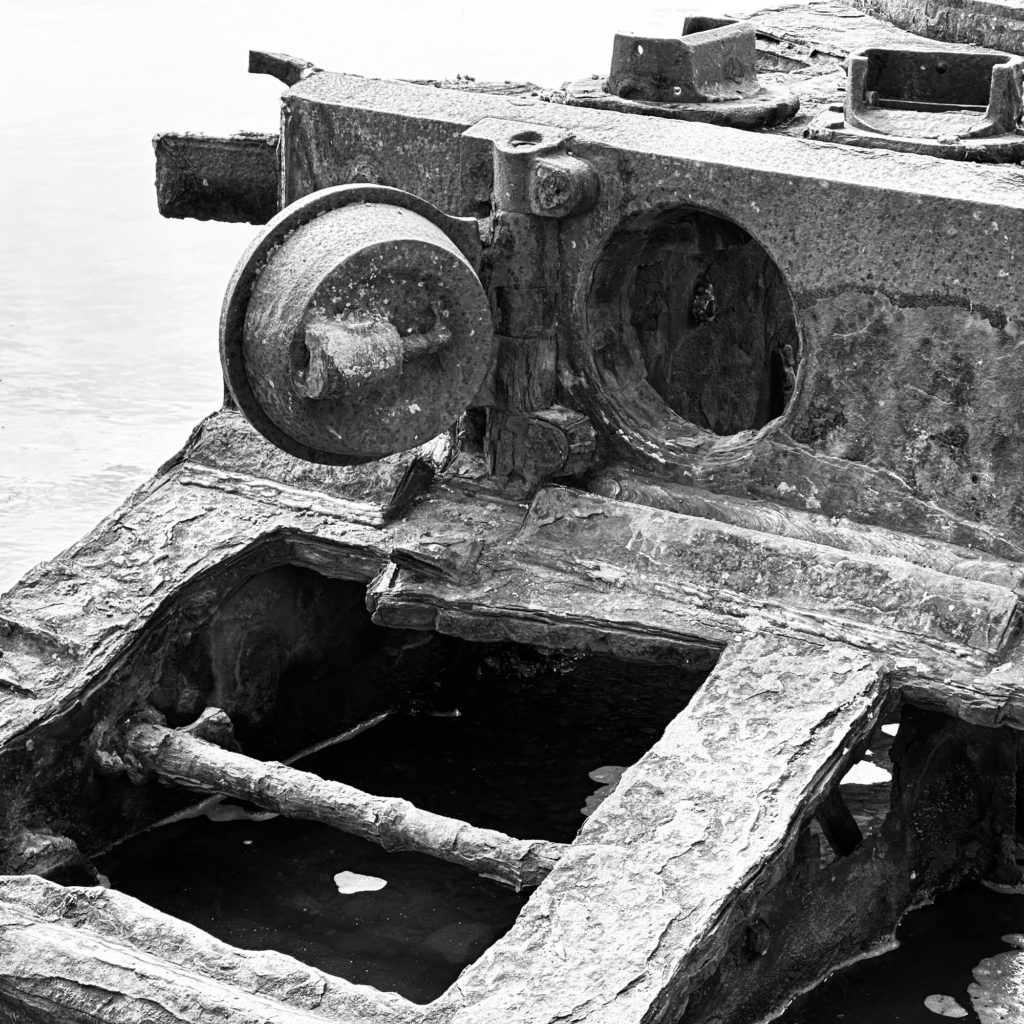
(108, 314)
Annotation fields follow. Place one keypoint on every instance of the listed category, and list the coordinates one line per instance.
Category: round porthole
(691, 334)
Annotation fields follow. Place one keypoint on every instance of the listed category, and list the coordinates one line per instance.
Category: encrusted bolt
(562, 185)
(534, 173)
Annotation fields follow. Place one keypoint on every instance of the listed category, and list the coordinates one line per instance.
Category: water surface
(939, 946)
(518, 758)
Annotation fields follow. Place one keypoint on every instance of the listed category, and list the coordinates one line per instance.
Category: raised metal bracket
(706, 73)
(952, 104)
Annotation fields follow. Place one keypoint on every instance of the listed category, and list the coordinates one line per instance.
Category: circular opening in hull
(691, 327)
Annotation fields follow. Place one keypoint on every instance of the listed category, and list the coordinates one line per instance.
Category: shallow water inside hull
(939, 947)
(270, 885)
(518, 757)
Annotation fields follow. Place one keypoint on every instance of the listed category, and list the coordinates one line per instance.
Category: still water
(930, 977)
(108, 314)
(525, 754)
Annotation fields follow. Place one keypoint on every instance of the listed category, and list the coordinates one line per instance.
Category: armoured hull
(649, 379)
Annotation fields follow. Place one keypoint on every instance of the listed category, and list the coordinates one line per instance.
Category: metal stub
(706, 66)
(535, 173)
(282, 66)
(952, 104)
(365, 330)
(707, 73)
(226, 178)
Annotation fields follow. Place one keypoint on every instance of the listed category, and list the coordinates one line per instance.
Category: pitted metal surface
(388, 266)
(366, 331)
(707, 64)
(707, 73)
(965, 106)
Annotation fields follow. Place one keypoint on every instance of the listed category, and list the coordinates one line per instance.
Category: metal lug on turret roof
(952, 104)
(706, 73)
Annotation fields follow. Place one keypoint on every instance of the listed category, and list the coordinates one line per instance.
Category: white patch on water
(891, 730)
(864, 773)
(609, 776)
(1005, 890)
(349, 882)
(944, 1006)
(232, 812)
(997, 992)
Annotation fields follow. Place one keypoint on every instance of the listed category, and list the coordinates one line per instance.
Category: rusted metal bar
(840, 828)
(199, 809)
(207, 177)
(97, 955)
(174, 755)
(694, 834)
(788, 581)
(622, 482)
(282, 66)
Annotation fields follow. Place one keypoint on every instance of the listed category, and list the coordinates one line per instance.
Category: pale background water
(108, 313)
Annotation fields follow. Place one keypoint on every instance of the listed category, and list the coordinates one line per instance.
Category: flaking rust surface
(639, 908)
(920, 392)
(621, 482)
(995, 23)
(230, 499)
(115, 959)
(226, 443)
(835, 28)
(808, 579)
(646, 903)
(98, 597)
(596, 585)
(94, 632)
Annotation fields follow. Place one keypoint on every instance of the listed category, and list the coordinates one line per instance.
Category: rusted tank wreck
(730, 343)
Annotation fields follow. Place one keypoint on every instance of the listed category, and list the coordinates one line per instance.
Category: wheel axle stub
(355, 327)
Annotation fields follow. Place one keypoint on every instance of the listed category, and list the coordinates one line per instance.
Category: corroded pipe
(176, 756)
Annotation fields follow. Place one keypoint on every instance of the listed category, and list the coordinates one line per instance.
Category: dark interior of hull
(931, 973)
(504, 736)
(507, 737)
